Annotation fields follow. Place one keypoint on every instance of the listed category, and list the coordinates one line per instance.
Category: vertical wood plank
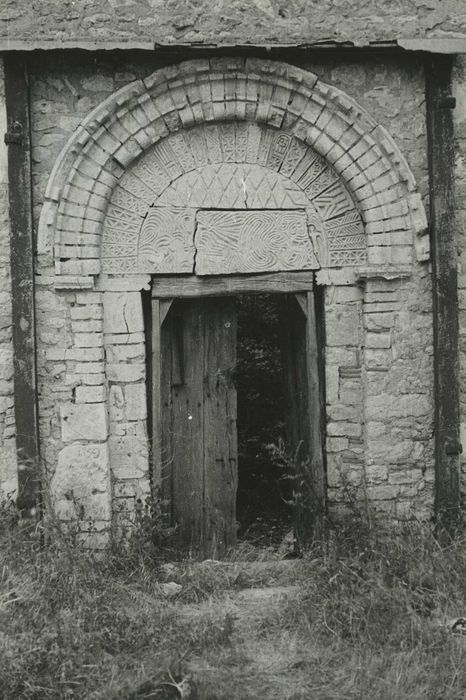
(441, 154)
(293, 338)
(187, 429)
(301, 366)
(220, 432)
(317, 474)
(22, 280)
(156, 394)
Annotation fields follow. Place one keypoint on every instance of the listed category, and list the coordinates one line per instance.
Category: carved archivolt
(134, 182)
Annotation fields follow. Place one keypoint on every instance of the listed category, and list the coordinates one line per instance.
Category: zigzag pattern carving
(308, 113)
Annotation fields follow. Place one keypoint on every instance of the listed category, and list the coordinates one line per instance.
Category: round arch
(262, 116)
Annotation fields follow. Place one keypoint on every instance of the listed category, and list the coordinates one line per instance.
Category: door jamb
(165, 289)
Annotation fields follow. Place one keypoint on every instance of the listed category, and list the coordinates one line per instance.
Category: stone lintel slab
(245, 241)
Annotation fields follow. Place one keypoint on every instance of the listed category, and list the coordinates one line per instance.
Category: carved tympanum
(233, 167)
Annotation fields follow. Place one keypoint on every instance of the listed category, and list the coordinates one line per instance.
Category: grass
(365, 619)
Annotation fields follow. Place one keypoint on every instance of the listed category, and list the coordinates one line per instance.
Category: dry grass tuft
(363, 618)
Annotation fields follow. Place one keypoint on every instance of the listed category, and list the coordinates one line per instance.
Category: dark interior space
(264, 507)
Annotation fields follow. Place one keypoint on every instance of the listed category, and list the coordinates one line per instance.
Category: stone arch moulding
(122, 195)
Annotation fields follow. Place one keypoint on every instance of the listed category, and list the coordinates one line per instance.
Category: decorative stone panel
(327, 143)
(252, 241)
(239, 135)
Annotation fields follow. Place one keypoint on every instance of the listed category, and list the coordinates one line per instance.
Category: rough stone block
(337, 444)
(377, 358)
(378, 322)
(376, 473)
(90, 394)
(80, 486)
(382, 492)
(135, 402)
(123, 312)
(125, 372)
(87, 326)
(344, 428)
(90, 311)
(378, 340)
(124, 338)
(83, 422)
(88, 340)
(342, 325)
(129, 457)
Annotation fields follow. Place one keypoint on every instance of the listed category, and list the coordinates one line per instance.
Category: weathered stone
(87, 422)
(125, 372)
(90, 394)
(344, 429)
(376, 473)
(80, 485)
(135, 402)
(123, 312)
(379, 322)
(88, 340)
(129, 457)
(377, 358)
(342, 325)
(337, 444)
(348, 394)
(378, 340)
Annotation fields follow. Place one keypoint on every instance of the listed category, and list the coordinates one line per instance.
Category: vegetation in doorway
(264, 507)
(365, 617)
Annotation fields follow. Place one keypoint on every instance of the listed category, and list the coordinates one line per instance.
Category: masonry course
(379, 334)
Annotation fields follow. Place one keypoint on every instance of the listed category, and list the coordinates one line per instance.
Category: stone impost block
(123, 312)
(80, 486)
(84, 422)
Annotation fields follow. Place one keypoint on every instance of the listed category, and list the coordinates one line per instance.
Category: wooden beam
(193, 286)
(440, 135)
(22, 281)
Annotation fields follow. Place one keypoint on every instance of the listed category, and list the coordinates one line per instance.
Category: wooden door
(304, 414)
(196, 419)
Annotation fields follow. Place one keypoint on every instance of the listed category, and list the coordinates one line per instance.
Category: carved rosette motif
(272, 126)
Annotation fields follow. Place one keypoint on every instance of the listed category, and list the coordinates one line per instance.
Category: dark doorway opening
(233, 358)
(264, 504)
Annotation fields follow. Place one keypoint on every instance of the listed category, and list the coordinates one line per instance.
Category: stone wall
(459, 116)
(152, 23)
(8, 469)
(379, 332)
